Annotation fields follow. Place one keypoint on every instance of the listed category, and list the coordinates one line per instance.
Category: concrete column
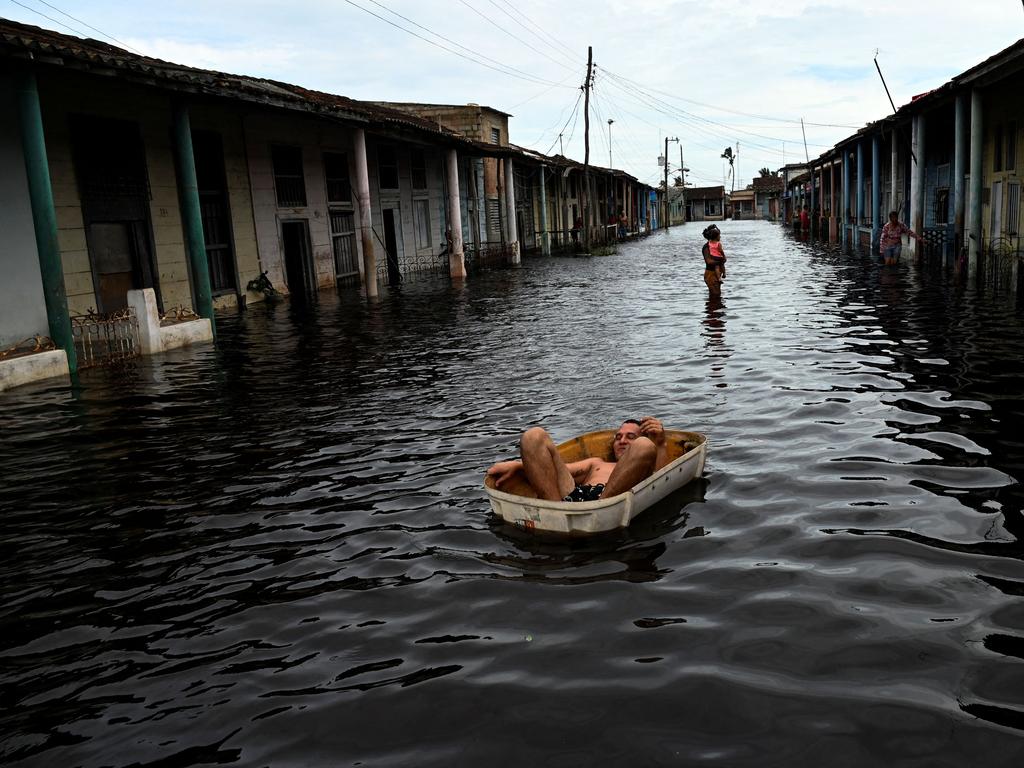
(846, 196)
(365, 223)
(876, 187)
(456, 257)
(974, 218)
(959, 165)
(191, 213)
(893, 178)
(810, 205)
(917, 181)
(44, 215)
(832, 200)
(859, 192)
(545, 238)
(510, 210)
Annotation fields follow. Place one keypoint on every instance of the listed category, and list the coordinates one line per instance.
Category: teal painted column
(814, 216)
(959, 166)
(977, 147)
(876, 187)
(846, 196)
(859, 191)
(188, 192)
(44, 215)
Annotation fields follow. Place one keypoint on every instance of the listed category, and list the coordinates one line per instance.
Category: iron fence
(105, 339)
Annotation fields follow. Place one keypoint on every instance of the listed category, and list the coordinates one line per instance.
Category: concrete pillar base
(154, 337)
(40, 366)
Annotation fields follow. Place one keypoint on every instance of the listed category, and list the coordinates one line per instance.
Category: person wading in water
(714, 260)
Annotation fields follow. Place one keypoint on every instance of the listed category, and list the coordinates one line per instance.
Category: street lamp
(610, 121)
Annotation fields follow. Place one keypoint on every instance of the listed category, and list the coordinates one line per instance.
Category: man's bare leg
(636, 464)
(543, 466)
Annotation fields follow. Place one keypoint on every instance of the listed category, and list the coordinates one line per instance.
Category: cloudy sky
(712, 73)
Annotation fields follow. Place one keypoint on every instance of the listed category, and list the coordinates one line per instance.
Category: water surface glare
(277, 552)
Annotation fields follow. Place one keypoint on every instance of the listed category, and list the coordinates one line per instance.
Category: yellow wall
(1001, 106)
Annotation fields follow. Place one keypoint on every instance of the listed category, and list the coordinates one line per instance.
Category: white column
(365, 225)
(510, 211)
(456, 257)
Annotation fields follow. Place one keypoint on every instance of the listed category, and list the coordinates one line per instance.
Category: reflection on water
(278, 551)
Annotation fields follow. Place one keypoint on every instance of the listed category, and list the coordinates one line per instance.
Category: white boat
(517, 502)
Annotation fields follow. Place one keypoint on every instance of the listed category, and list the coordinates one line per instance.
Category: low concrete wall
(31, 368)
(155, 338)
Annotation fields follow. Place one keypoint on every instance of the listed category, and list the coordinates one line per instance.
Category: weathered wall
(22, 308)
(1002, 107)
(63, 94)
(227, 122)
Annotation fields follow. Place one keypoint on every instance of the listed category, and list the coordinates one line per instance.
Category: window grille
(419, 169)
(387, 167)
(288, 178)
(1013, 208)
(421, 210)
(343, 240)
(495, 135)
(339, 189)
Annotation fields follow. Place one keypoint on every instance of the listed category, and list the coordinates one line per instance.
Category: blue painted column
(859, 191)
(44, 215)
(959, 166)
(811, 204)
(846, 197)
(876, 188)
(977, 157)
(188, 193)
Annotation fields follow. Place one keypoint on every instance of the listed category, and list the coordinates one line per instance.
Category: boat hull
(589, 517)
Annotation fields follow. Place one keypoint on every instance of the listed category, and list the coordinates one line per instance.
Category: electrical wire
(474, 57)
(84, 24)
(518, 39)
(536, 30)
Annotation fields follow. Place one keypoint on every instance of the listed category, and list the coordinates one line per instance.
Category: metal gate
(105, 339)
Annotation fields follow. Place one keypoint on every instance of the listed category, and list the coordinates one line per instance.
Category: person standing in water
(890, 242)
(714, 260)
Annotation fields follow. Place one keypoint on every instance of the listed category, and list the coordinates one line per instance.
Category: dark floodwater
(278, 552)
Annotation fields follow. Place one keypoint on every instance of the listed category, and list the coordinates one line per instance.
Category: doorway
(392, 240)
(298, 263)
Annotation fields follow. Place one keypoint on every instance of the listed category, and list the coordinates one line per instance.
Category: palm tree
(766, 171)
(728, 155)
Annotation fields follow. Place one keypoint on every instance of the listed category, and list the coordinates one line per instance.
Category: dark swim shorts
(585, 493)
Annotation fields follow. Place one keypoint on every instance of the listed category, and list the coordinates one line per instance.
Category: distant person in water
(638, 448)
(714, 260)
(890, 243)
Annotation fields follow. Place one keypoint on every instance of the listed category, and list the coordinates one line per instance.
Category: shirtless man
(638, 446)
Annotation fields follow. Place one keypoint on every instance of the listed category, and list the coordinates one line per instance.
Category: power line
(731, 111)
(489, 20)
(94, 29)
(575, 110)
(572, 61)
(556, 42)
(55, 21)
(474, 57)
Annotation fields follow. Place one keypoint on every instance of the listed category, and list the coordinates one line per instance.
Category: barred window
(339, 189)
(288, 178)
(419, 169)
(387, 167)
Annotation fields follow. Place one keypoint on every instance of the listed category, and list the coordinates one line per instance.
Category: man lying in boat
(638, 446)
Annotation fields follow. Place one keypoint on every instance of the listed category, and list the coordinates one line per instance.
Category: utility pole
(561, 151)
(667, 140)
(610, 121)
(682, 178)
(586, 150)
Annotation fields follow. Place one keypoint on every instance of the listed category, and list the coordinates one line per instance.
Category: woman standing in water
(714, 260)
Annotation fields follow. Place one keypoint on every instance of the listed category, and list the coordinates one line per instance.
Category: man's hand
(652, 429)
(504, 471)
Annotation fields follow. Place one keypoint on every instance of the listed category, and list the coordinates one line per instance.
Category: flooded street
(278, 551)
